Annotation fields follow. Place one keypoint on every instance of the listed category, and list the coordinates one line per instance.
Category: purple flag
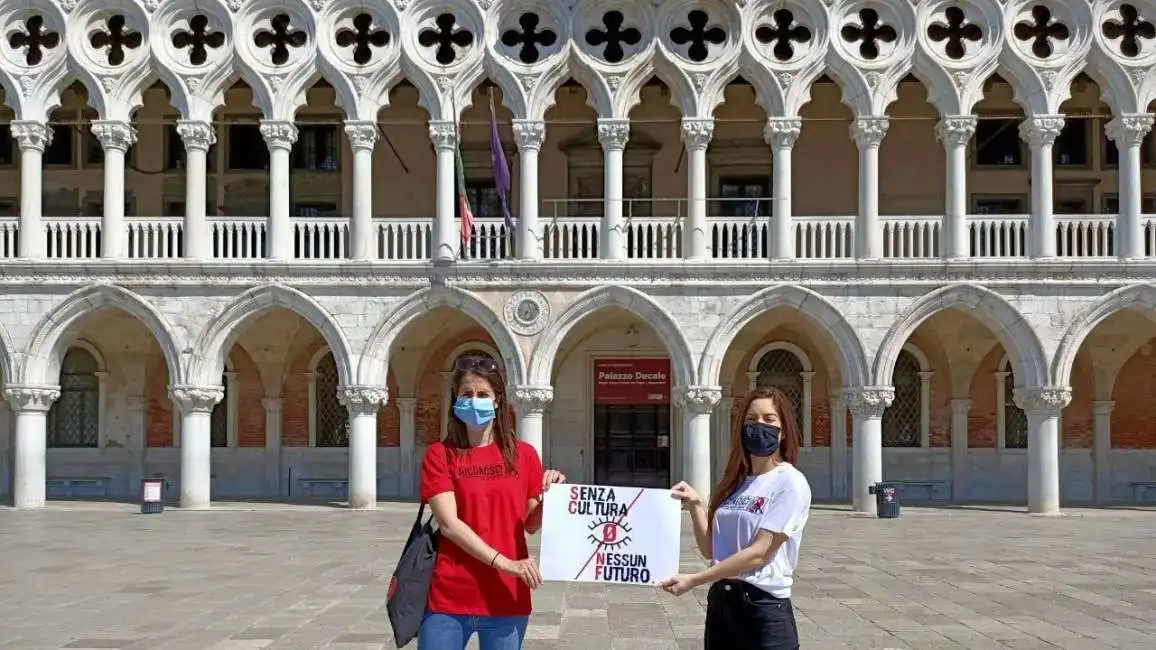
(501, 166)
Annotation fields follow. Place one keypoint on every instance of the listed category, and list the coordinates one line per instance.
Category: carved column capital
(960, 406)
(697, 132)
(114, 135)
(273, 404)
(443, 134)
(196, 399)
(782, 132)
(613, 134)
(955, 130)
(529, 134)
(197, 136)
(698, 400)
(405, 404)
(1103, 407)
(363, 400)
(1129, 130)
(869, 401)
(868, 132)
(31, 398)
(362, 135)
(1041, 130)
(33, 136)
(531, 399)
(279, 134)
(1045, 401)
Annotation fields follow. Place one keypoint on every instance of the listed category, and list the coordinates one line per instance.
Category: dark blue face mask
(760, 439)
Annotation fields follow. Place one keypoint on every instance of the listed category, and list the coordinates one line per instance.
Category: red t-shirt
(492, 502)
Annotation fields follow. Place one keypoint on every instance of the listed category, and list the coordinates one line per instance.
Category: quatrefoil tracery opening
(35, 39)
(1131, 29)
(784, 32)
(364, 38)
(613, 37)
(280, 39)
(115, 38)
(699, 37)
(957, 32)
(447, 38)
(529, 37)
(199, 38)
(869, 34)
(1041, 31)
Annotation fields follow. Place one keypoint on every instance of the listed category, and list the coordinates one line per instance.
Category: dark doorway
(632, 445)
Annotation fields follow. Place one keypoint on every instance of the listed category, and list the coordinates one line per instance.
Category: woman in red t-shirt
(484, 488)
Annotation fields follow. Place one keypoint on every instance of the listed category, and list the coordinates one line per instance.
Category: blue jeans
(453, 632)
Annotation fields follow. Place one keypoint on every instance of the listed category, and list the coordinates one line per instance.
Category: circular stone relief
(527, 312)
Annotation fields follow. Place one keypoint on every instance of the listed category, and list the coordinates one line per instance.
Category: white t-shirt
(778, 501)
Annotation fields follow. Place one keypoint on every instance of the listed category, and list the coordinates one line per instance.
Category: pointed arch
(1005, 321)
(597, 299)
(374, 362)
(223, 330)
(852, 359)
(1134, 295)
(7, 363)
(45, 349)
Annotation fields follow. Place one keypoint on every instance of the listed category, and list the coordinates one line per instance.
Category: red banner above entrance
(631, 381)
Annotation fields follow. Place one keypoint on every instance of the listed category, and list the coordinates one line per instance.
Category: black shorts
(740, 616)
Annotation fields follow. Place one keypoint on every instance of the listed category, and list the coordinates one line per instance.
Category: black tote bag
(409, 589)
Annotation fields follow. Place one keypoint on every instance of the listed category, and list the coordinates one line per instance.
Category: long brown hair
(739, 463)
(457, 439)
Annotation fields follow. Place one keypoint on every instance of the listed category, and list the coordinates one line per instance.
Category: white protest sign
(621, 535)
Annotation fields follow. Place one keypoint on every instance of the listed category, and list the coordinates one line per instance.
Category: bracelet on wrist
(495, 558)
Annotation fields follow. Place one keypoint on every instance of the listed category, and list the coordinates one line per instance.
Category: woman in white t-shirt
(751, 530)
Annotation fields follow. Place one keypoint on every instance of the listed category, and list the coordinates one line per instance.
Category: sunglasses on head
(483, 364)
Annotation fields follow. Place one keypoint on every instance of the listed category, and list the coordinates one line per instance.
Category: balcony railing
(648, 236)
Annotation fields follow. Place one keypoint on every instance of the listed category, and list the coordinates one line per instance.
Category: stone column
(781, 133)
(444, 135)
(196, 407)
(808, 376)
(613, 134)
(198, 137)
(721, 450)
(867, 404)
(362, 136)
(33, 138)
(838, 445)
(30, 466)
(1042, 407)
(5, 448)
(137, 440)
(954, 132)
(1040, 132)
(1128, 132)
(280, 136)
(447, 403)
(530, 135)
(274, 408)
(1101, 451)
(925, 408)
(1000, 378)
(530, 403)
(960, 408)
(696, 136)
(697, 402)
(868, 132)
(407, 465)
(116, 138)
(363, 403)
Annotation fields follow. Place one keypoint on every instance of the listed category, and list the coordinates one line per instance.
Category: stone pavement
(244, 576)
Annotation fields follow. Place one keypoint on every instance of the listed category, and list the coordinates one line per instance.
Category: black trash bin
(152, 495)
(886, 499)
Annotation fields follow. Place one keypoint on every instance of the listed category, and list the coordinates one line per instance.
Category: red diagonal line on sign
(601, 544)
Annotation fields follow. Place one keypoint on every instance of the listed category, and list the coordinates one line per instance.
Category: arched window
(903, 420)
(219, 421)
(330, 418)
(74, 418)
(783, 370)
(1015, 421)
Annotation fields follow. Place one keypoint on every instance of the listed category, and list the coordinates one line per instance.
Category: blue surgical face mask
(760, 439)
(475, 412)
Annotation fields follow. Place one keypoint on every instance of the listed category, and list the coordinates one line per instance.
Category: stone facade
(684, 187)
